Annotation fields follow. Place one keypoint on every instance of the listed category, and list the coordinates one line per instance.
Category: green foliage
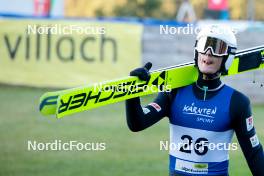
(154, 9)
(139, 8)
(145, 8)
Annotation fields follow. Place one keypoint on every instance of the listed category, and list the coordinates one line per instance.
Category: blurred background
(32, 64)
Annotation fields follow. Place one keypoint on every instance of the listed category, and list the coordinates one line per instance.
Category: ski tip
(48, 103)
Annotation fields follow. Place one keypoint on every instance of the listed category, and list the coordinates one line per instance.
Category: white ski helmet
(220, 39)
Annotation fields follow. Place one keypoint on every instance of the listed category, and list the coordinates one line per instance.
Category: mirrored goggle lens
(218, 47)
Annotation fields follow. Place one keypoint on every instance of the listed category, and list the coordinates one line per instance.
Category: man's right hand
(142, 72)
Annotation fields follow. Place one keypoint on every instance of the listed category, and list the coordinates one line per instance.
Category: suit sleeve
(240, 109)
(140, 118)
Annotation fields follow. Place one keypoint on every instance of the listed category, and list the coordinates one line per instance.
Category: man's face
(209, 64)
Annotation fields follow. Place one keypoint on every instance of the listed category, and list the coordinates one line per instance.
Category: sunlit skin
(209, 64)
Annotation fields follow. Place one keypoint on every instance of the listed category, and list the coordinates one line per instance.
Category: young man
(204, 115)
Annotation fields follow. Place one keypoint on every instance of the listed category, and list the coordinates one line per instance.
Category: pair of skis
(70, 101)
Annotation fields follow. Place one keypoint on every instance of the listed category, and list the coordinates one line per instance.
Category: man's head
(214, 49)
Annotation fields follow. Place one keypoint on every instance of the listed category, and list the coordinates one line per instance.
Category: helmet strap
(223, 69)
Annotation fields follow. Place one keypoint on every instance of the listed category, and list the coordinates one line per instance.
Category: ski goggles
(218, 47)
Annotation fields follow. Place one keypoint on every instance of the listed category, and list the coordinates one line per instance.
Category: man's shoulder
(168, 95)
(239, 99)
(240, 107)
